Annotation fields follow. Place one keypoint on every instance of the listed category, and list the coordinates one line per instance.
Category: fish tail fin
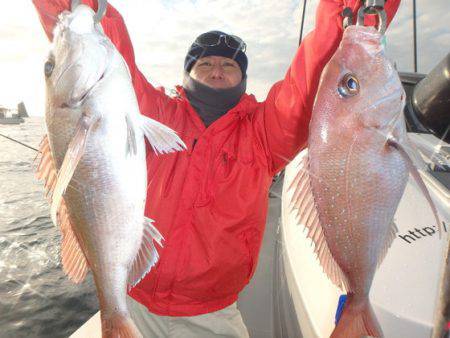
(119, 326)
(357, 320)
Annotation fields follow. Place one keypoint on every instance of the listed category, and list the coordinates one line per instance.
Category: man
(210, 201)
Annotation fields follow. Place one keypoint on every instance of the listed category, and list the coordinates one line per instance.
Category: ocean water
(36, 298)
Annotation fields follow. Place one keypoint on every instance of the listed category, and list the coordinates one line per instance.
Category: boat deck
(256, 302)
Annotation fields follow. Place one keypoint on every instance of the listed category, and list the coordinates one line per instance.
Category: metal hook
(347, 15)
(101, 11)
(74, 4)
(374, 7)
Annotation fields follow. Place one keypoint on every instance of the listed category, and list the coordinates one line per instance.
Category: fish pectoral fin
(147, 255)
(161, 138)
(302, 202)
(72, 257)
(405, 153)
(73, 155)
(131, 136)
(411, 151)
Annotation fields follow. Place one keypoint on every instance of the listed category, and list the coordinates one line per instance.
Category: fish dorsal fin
(306, 214)
(161, 138)
(147, 255)
(46, 169)
(73, 260)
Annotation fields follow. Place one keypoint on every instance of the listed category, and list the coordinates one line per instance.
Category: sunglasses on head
(215, 39)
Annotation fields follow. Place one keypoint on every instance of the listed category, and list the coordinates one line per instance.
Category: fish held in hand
(94, 165)
(355, 171)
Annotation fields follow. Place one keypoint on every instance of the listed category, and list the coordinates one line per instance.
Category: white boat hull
(406, 286)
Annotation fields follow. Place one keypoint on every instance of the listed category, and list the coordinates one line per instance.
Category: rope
(23, 144)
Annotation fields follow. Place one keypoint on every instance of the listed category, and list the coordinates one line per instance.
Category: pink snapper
(355, 173)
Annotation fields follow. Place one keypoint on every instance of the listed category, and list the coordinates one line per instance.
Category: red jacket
(210, 202)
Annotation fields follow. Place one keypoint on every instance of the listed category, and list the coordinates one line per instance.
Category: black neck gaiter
(210, 103)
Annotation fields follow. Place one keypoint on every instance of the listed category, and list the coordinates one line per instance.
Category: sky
(162, 30)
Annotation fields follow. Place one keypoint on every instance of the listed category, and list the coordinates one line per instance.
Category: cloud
(162, 30)
(432, 28)
(23, 47)
(169, 29)
(433, 19)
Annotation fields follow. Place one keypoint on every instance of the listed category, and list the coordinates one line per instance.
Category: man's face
(217, 72)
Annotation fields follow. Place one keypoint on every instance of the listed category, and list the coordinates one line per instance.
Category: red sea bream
(354, 175)
(94, 165)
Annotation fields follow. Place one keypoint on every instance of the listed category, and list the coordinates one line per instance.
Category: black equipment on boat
(431, 100)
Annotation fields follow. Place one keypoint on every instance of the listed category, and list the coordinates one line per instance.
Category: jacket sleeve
(115, 28)
(288, 106)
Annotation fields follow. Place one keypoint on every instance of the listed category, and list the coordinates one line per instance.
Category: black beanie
(196, 52)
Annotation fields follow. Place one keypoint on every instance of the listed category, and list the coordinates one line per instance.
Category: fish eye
(48, 68)
(349, 85)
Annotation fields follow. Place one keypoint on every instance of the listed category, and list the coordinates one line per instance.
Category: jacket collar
(243, 108)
